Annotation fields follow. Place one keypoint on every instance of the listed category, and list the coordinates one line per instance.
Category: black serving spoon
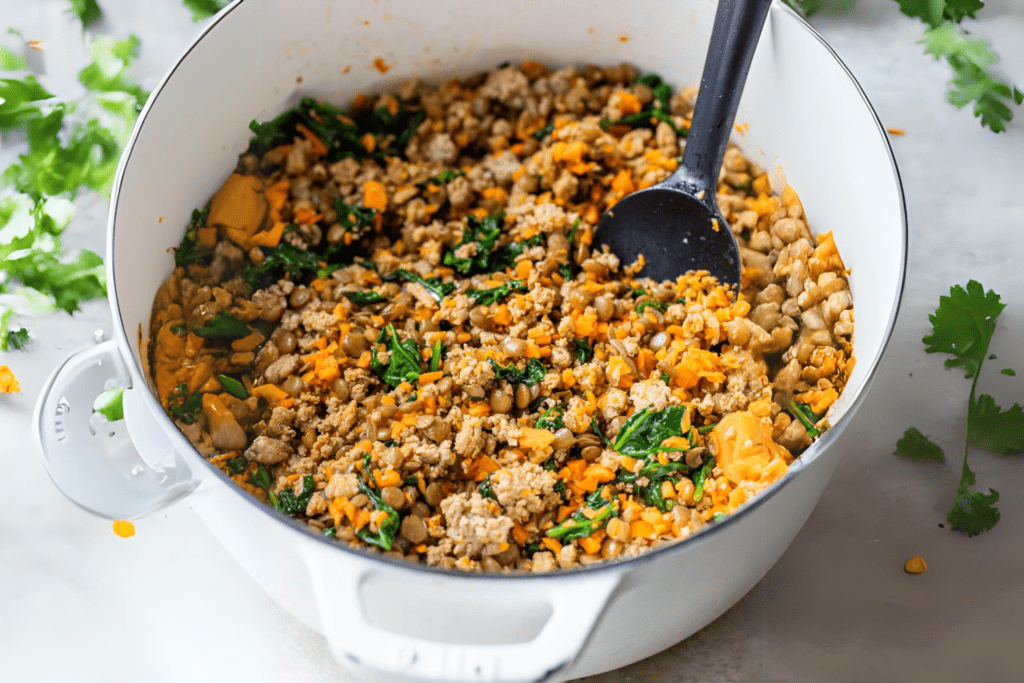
(677, 224)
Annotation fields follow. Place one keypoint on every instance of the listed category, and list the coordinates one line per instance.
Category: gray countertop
(80, 604)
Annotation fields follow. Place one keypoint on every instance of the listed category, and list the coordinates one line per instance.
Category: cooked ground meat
(394, 324)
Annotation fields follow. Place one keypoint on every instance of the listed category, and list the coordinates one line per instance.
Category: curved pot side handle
(100, 470)
(576, 604)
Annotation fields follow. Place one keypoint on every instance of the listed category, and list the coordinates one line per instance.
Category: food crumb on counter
(8, 383)
(124, 529)
(915, 565)
(896, 131)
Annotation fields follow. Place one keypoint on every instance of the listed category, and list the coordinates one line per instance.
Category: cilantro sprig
(962, 327)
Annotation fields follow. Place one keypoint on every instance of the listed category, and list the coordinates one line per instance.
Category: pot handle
(95, 463)
(575, 604)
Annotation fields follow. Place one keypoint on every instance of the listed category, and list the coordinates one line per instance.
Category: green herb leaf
(485, 488)
(204, 9)
(10, 61)
(389, 529)
(973, 77)
(284, 260)
(233, 387)
(655, 111)
(365, 298)
(917, 446)
(584, 352)
(110, 404)
(86, 10)
(223, 326)
(108, 71)
(1008, 371)
(404, 362)
(973, 512)
(531, 373)
(962, 326)
(996, 430)
(486, 297)
(355, 219)
(578, 526)
(291, 504)
(260, 477)
(15, 98)
(934, 12)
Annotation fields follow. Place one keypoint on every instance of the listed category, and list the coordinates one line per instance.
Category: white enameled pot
(258, 57)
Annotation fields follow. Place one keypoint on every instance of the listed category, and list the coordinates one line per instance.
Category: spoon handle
(734, 38)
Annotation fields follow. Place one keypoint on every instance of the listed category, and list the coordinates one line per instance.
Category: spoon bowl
(676, 225)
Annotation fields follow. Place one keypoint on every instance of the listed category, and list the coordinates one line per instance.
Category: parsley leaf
(934, 12)
(16, 340)
(404, 362)
(486, 297)
(16, 97)
(531, 373)
(973, 77)
(917, 446)
(962, 326)
(107, 72)
(973, 512)
(182, 406)
(204, 9)
(284, 260)
(805, 8)
(999, 431)
(10, 61)
(110, 404)
(86, 10)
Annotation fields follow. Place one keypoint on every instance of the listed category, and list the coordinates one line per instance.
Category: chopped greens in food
(399, 320)
(222, 326)
(584, 351)
(486, 297)
(388, 528)
(442, 178)
(807, 418)
(655, 111)
(551, 418)
(531, 373)
(291, 504)
(404, 359)
(365, 298)
(962, 327)
(233, 387)
(594, 515)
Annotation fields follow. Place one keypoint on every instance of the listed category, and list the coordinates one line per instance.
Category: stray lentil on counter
(491, 431)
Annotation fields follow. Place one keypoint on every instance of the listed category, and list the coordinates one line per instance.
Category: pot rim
(706, 532)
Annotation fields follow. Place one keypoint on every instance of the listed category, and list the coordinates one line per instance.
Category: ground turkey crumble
(393, 324)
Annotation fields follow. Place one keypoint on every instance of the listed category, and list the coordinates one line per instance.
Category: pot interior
(803, 109)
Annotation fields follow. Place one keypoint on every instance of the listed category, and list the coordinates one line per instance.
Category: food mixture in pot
(392, 323)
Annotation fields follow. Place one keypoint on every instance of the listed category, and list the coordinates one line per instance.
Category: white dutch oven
(257, 58)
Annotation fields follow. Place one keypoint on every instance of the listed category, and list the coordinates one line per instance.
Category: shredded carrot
(428, 377)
